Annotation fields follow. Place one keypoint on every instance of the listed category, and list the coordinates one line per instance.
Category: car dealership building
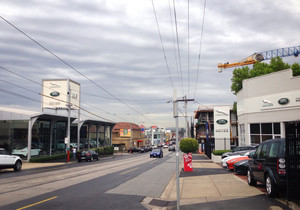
(54, 129)
(265, 104)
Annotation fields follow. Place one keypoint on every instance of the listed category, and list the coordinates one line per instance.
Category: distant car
(9, 161)
(89, 155)
(231, 162)
(24, 152)
(172, 148)
(157, 153)
(238, 150)
(268, 166)
(135, 149)
(165, 146)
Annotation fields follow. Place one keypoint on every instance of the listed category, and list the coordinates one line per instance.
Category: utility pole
(185, 100)
(175, 115)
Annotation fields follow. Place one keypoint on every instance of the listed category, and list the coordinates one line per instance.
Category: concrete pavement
(209, 186)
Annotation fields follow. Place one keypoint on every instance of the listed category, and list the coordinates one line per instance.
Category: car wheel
(270, 187)
(18, 166)
(79, 160)
(251, 181)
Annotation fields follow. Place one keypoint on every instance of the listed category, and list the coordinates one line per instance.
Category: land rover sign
(222, 121)
(283, 101)
(54, 94)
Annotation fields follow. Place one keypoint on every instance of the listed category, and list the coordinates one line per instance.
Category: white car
(9, 161)
(224, 160)
(24, 152)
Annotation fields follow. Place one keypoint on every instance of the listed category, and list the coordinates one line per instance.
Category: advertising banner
(125, 132)
(187, 158)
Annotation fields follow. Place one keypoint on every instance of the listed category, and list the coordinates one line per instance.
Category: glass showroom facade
(14, 136)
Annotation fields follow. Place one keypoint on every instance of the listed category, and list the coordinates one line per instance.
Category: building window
(260, 132)
(242, 134)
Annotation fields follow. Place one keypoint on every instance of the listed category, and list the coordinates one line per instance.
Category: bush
(49, 158)
(188, 145)
(220, 152)
(107, 150)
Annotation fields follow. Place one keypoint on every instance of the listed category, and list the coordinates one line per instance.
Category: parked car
(242, 153)
(135, 149)
(172, 148)
(157, 153)
(165, 146)
(145, 148)
(89, 155)
(241, 167)
(24, 152)
(9, 161)
(268, 166)
(231, 162)
(238, 150)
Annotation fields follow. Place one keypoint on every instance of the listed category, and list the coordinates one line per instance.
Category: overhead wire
(200, 47)
(174, 46)
(12, 72)
(73, 68)
(162, 45)
(178, 49)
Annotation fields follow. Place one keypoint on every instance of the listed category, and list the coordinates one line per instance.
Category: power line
(178, 49)
(188, 47)
(73, 68)
(200, 47)
(174, 45)
(162, 45)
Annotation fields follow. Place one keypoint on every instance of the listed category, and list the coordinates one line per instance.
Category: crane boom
(258, 57)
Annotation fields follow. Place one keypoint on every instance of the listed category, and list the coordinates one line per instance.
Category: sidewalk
(209, 186)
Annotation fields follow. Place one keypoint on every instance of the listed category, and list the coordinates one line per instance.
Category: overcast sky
(116, 45)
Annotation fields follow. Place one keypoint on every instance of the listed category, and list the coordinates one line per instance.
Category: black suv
(268, 166)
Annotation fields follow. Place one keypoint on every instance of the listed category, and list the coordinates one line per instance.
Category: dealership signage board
(55, 94)
(222, 127)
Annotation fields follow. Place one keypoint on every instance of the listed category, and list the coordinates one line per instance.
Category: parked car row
(266, 165)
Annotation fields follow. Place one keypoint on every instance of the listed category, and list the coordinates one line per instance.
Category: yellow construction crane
(258, 57)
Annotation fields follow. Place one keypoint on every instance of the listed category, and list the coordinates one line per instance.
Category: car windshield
(156, 150)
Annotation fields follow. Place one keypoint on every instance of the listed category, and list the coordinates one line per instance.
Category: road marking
(129, 171)
(25, 207)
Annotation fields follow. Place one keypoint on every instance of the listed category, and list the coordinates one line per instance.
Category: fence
(293, 161)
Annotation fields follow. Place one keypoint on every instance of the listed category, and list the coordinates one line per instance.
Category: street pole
(175, 114)
(69, 121)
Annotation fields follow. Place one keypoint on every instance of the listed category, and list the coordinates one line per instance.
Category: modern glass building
(29, 134)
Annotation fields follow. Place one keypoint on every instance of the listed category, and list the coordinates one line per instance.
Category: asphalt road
(114, 183)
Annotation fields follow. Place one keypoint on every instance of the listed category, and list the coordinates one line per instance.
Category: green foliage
(188, 145)
(296, 69)
(220, 152)
(259, 68)
(49, 158)
(239, 75)
(107, 150)
(234, 107)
